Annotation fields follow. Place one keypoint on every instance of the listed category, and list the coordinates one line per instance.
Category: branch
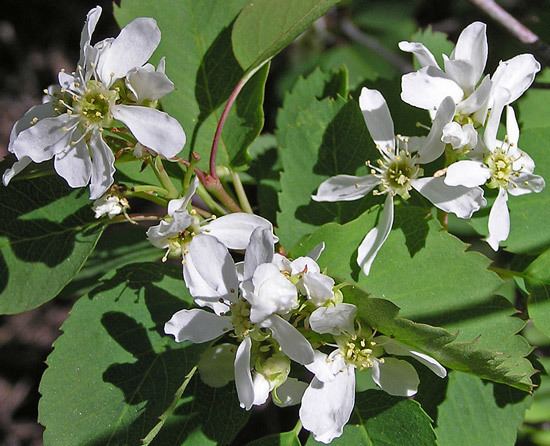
(514, 27)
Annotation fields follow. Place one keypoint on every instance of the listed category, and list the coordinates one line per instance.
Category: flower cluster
(114, 91)
(267, 311)
(466, 110)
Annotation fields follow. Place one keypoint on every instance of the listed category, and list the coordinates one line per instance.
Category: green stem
(149, 188)
(215, 187)
(169, 410)
(163, 177)
(241, 194)
(149, 197)
(209, 201)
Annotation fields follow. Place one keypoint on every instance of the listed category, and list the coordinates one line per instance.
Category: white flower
(217, 275)
(328, 401)
(461, 77)
(460, 136)
(69, 127)
(399, 171)
(502, 165)
(110, 205)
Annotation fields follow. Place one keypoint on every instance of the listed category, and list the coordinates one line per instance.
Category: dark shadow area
(431, 390)
(371, 403)
(266, 172)
(413, 222)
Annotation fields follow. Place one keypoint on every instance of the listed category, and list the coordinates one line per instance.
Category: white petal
(345, 188)
(148, 85)
(526, 183)
(371, 244)
(42, 140)
(261, 389)
(459, 136)
(428, 87)
(234, 230)
(378, 119)
(40, 111)
(326, 407)
(500, 96)
(74, 164)
(467, 173)
(499, 220)
(152, 128)
(290, 393)
(394, 347)
(316, 252)
(215, 265)
(459, 200)
(471, 47)
(512, 128)
(462, 73)
(423, 55)
(304, 264)
(432, 146)
(103, 166)
(130, 49)
(477, 102)
(16, 167)
(159, 235)
(260, 250)
(334, 320)
(181, 203)
(395, 376)
(197, 326)
(243, 377)
(86, 35)
(292, 342)
(516, 75)
(326, 367)
(318, 287)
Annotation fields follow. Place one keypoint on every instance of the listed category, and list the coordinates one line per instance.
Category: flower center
(94, 105)
(501, 166)
(396, 174)
(358, 351)
(240, 318)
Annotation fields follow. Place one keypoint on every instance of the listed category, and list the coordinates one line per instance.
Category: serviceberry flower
(398, 171)
(111, 83)
(499, 165)
(110, 205)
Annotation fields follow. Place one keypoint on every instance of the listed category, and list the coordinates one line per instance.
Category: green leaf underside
(44, 241)
(439, 284)
(196, 41)
(274, 25)
(529, 214)
(476, 413)
(538, 284)
(113, 371)
(380, 419)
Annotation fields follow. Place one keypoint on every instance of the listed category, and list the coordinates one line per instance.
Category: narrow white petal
(290, 393)
(467, 173)
(326, 407)
(394, 347)
(260, 250)
(74, 164)
(42, 140)
(261, 389)
(243, 377)
(428, 87)
(234, 230)
(477, 102)
(103, 166)
(345, 188)
(371, 244)
(515, 75)
(40, 111)
(378, 119)
(423, 55)
(526, 183)
(396, 377)
(86, 35)
(472, 47)
(501, 97)
(462, 73)
(148, 85)
(432, 146)
(334, 320)
(316, 252)
(180, 204)
(16, 167)
(318, 287)
(512, 128)
(197, 326)
(292, 342)
(499, 220)
(153, 128)
(459, 200)
(132, 48)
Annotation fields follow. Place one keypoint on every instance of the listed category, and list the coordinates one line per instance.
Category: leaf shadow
(413, 222)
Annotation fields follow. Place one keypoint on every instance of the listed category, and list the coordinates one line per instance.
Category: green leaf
(113, 371)
(200, 60)
(539, 412)
(435, 41)
(475, 413)
(537, 276)
(317, 139)
(45, 239)
(427, 273)
(380, 419)
(274, 25)
(533, 105)
(282, 439)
